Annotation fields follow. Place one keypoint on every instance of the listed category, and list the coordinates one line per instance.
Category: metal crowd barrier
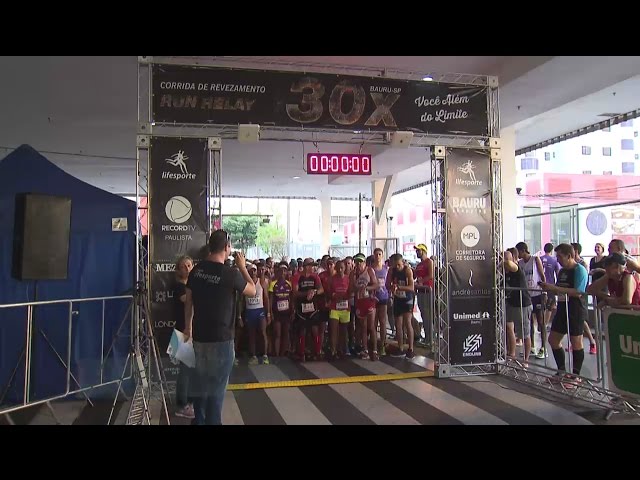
(27, 351)
(595, 391)
(561, 302)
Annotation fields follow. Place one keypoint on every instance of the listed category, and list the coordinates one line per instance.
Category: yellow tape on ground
(329, 381)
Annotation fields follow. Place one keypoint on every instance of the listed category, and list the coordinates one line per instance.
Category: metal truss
(472, 370)
(145, 351)
(215, 190)
(581, 131)
(493, 108)
(439, 248)
(320, 135)
(576, 388)
(263, 63)
(497, 231)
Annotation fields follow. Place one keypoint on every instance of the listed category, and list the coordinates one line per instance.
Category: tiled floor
(487, 400)
(425, 401)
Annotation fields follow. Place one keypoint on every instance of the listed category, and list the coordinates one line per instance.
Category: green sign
(623, 338)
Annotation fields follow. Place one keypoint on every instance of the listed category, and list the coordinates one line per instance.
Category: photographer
(208, 312)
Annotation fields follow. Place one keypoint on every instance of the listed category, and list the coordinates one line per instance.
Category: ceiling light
(427, 78)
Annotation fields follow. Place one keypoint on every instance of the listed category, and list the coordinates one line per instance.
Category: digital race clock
(338, 164)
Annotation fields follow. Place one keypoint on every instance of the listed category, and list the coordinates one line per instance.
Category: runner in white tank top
(534, 274)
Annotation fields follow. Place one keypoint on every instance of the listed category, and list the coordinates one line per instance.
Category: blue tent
(102, 263)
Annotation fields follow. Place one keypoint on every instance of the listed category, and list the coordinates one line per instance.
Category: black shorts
(401, 307)
(281, 317)
(559, 323)
(537, 302)
(304, 320)
(324, 316)
(552, 301)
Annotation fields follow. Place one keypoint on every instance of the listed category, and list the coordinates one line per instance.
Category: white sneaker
(186, 412)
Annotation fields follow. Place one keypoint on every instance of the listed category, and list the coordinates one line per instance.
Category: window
(606, 151)
(609, 172)
(606, 129)
(554, 154)
(529, 163)
(561, 225)
(637, 156)
(628, 167)
(626, 144)
(586, 150)
(547, 156)
(586, 172)
(635, 134)
(628, 123)
(532, 228)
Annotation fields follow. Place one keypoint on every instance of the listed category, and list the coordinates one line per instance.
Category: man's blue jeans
(214, 362)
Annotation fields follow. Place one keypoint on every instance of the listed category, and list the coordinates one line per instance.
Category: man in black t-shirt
(519, 306)
(209, 308)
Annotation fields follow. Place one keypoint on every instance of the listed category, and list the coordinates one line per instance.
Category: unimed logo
(472, 316)
(629, 347)
(623, 328)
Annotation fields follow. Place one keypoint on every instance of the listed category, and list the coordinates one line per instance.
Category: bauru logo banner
(472, 333)
(219, 96)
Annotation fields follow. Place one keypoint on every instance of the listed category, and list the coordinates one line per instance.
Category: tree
(272, 239)
(242, 229)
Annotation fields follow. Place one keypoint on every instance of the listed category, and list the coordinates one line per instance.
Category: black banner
(195, 95)
(178, 197)
(178, 220)
(472, 334)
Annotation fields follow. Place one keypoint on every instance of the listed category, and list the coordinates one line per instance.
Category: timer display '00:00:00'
(339, 164)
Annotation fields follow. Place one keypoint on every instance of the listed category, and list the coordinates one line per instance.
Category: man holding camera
(209, 319)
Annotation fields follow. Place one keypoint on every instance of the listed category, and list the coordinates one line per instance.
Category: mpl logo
(471, 181)
(470, 236)
(178, 160)
(471, 345)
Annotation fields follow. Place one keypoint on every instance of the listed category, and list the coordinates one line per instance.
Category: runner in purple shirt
(551, 268)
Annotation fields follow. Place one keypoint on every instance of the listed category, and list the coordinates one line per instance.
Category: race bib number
(283, 305)
(401, 294)
(342, 305)
(381, 283)
(253, 301)
(531, 283)
(308, 308)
